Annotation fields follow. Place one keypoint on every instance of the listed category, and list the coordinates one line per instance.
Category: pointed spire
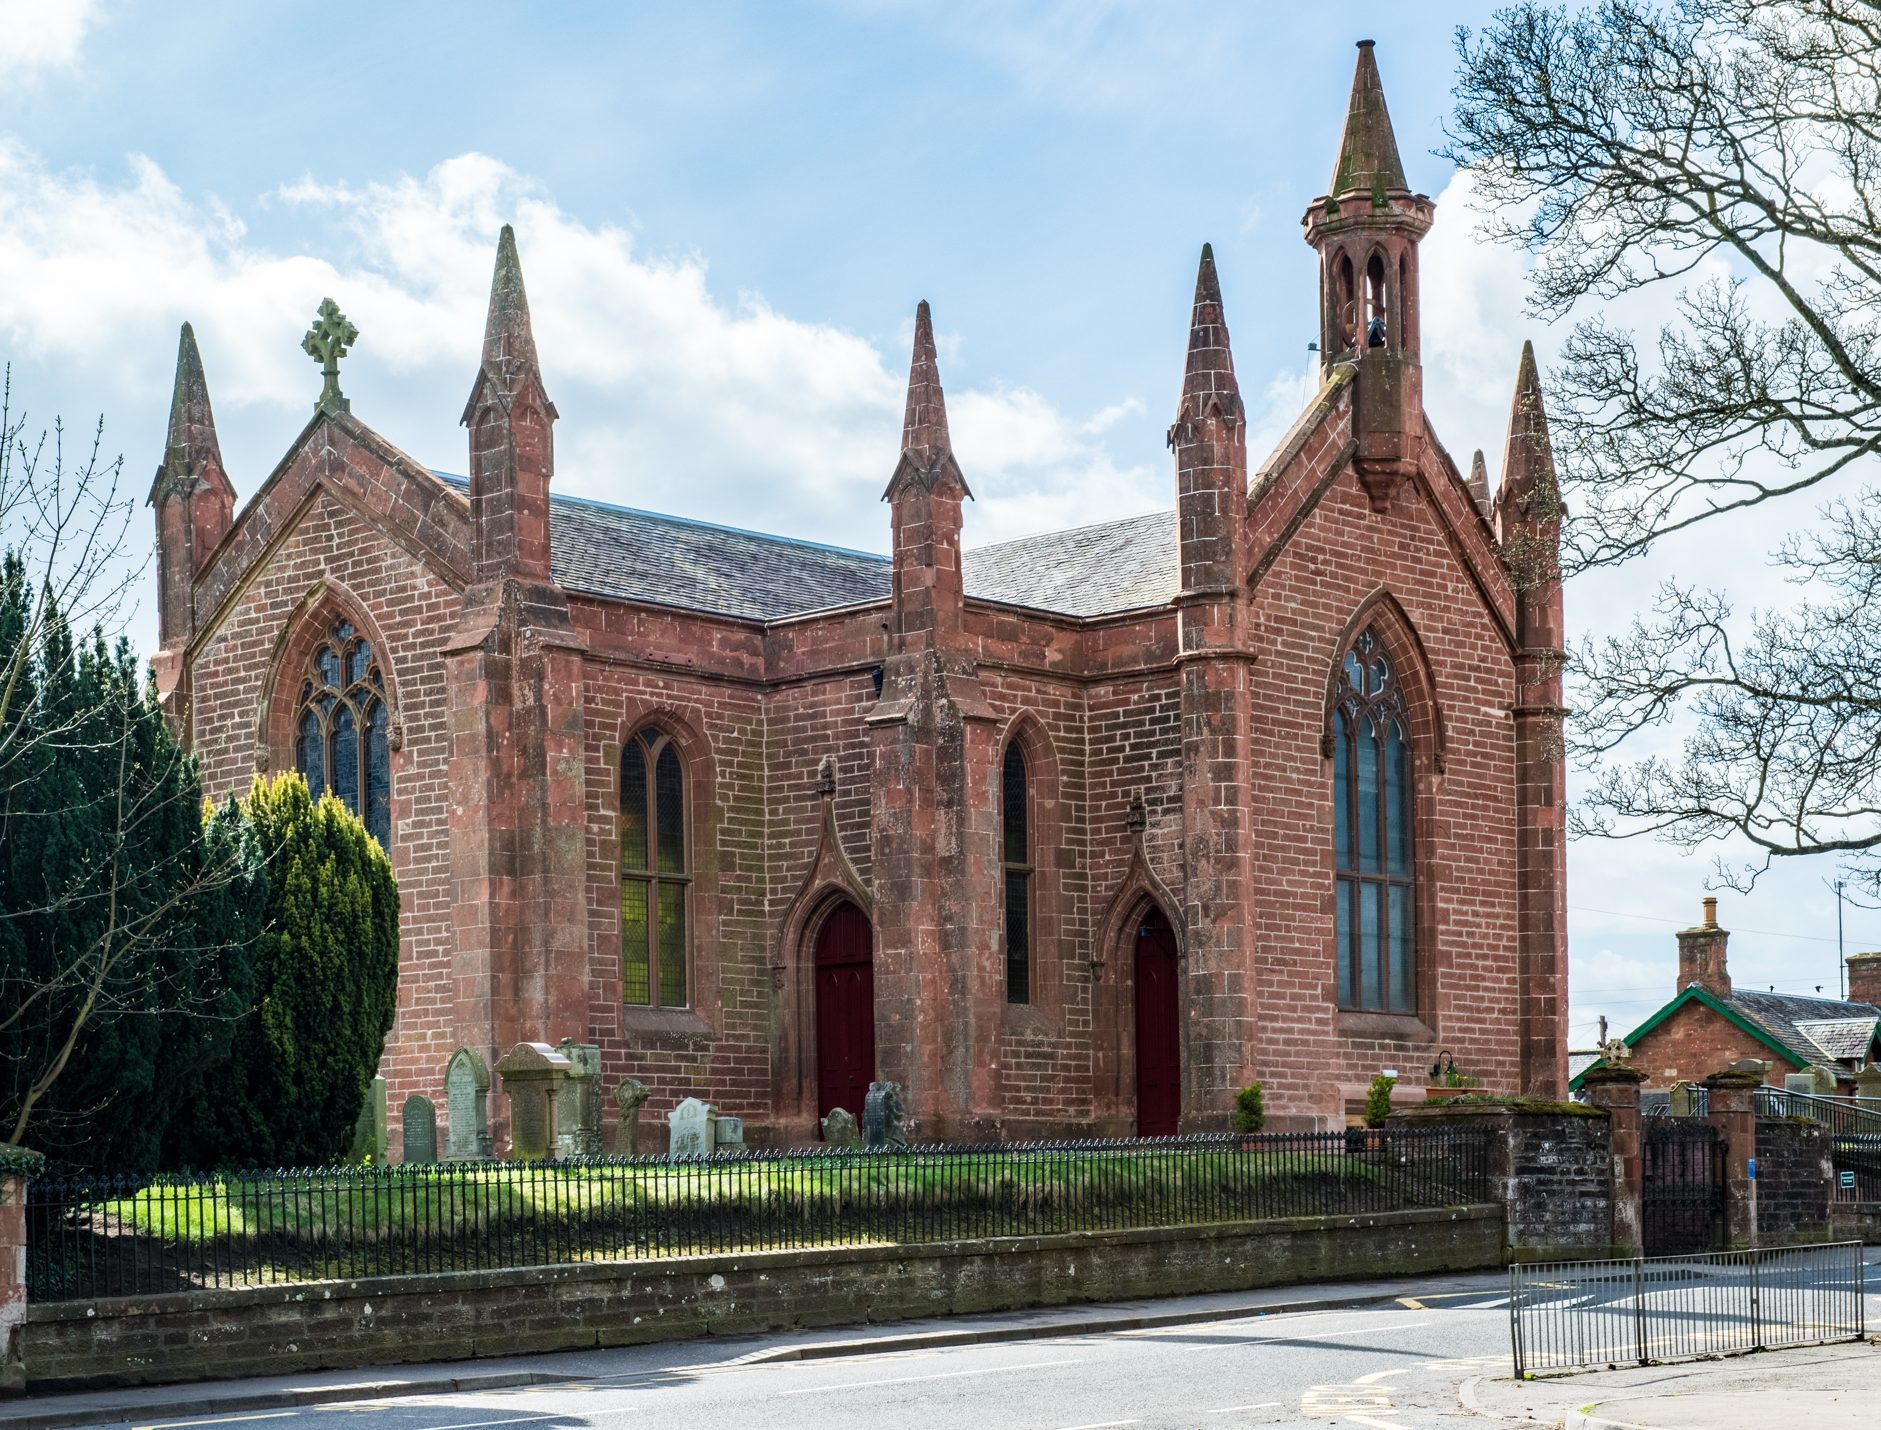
(1368, 150)
(924, 427)
(1529, 461)
(927, 450)
(1208, 376)
(509, 342)
(1479, 480)
(191, 443)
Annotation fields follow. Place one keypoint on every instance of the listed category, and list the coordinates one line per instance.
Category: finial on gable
(329, 339)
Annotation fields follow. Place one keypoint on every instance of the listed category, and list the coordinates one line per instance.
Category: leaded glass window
(655, 873)
(342, 729)
(1016, 857)
(1372, 817)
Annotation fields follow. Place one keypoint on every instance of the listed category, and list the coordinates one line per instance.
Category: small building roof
(647, 557)
(1800, 1029)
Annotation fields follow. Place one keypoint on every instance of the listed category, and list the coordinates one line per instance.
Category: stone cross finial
(329, 339)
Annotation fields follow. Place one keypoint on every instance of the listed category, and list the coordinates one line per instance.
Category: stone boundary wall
(1795, 1181)
(1855, 1221)
(200, 1335)
(1551, 1170)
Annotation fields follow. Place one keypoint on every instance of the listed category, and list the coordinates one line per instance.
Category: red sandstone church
(1075, 833)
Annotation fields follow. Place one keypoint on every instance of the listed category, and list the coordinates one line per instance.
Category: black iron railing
(1567, 1315)
(116, 1236)
(1854, 1129)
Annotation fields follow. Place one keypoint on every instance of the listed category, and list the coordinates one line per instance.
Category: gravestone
(839, 1129)
(692, 1130)
(418, 1124)
(467, 1107)
(731, 1134)
(370, 1142)
(1826, 1078)
(881, 1116)
(1802, 1082)
(533, 1075)
(1684, 1099)
(1868, 1086)
(629, 1097)
(578, 1118)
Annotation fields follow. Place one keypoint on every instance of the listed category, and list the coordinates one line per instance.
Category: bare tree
(1625, 145)
(105, 871)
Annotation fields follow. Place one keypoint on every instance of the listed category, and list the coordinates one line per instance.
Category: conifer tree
(325, 984)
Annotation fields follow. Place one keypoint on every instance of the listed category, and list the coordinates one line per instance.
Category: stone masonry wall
(240, 669)
(215, 1334)
(1694, 1043)
(1343, 567)
(1795, 1181)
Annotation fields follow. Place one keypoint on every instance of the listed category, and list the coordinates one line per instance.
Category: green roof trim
(1695, 994)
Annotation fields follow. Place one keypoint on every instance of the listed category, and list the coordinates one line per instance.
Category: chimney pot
(1702, 955)
(1864, 978)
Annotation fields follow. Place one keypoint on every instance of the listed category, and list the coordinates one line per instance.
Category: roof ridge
(1070, 530)
(570, 499)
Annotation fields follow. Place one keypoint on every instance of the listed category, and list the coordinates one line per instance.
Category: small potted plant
(1250, 1112)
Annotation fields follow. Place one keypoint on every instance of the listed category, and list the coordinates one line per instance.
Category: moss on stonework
(1487, 1101)
(18, 1162)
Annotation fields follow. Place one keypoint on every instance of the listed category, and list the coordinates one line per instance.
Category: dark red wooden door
(1158, 1030)
(845, 1011)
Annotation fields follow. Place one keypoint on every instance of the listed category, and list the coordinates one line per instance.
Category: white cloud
(42, 35)
(673, 396)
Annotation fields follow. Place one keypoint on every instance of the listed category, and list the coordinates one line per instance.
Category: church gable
(339, 455)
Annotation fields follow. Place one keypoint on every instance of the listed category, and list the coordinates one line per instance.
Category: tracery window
(655, 873)
(1372, 811)
(1016, 856)
(341, 729)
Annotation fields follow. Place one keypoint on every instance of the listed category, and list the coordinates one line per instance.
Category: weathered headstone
(1827, 1079)
(578, 1117)
(1868, 1086)
(467, 1107)
(881, 1116)
(1684, 1098)
(731, 1134)
(370, 1143)
(629, 1097)
(692, 1130)
(1800, 1082)
(418, 1125)
(533, 1074)
(839, 1129)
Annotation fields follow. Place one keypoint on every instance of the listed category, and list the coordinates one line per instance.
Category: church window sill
(676, 1024)
(1390, 1027)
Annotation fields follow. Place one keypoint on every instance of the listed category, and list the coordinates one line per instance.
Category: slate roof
(634, 555)
(1089, 571)
(1789, 1018)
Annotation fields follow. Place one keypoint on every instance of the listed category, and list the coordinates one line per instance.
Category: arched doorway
(845, 1010)
(1158, 1029)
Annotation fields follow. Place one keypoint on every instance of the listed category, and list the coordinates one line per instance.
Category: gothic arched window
(341, 728)
(1372, 810)
(655, 874)
(1016, 856)
(1377, 312)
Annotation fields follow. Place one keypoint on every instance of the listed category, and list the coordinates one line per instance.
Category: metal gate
(1683, 1201)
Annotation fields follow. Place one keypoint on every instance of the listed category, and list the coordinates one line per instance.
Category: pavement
(1834, 1387)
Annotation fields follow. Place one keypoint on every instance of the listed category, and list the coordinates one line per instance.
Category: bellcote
(1366, 229)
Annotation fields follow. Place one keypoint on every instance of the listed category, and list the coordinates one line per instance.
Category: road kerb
(151, 1404)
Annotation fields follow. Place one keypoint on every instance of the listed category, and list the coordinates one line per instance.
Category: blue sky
(726, 214)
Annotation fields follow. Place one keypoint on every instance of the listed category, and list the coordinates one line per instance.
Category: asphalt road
(1386, 1368)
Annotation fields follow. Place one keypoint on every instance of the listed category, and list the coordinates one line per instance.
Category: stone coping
(445, 1282)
